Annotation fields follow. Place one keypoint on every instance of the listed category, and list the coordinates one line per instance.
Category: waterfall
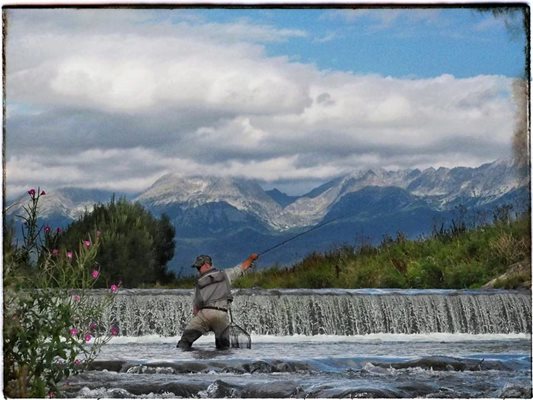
(141, 312)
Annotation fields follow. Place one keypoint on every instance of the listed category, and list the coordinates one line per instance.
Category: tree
(135, 246)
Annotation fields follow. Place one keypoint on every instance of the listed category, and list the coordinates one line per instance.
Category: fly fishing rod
(296, 236)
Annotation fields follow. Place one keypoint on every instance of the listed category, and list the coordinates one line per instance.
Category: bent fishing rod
(297, 236)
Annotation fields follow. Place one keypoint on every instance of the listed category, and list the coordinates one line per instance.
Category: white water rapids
(326, 344)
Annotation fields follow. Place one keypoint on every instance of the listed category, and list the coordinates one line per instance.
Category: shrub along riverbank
(456, 257)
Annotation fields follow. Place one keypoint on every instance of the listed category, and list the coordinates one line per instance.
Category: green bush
(317, 278)
(464, 275)
(136, 246)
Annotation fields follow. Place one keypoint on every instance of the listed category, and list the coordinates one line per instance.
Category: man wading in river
(212, 298)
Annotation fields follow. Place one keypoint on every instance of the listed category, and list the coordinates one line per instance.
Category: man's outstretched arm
(249, 261)
(242, 268)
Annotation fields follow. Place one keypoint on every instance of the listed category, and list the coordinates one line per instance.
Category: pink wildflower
(69, 255)
(47, 229)
(92, 326)
(76, 298)
(114, 330)
(114, 288)
(51, 395)
(95, 274)
(43, 193)
(58, 230)
(87, 243)
(74, 331)
(88, 337)
(55, 252)
(31, 192)
(77, 362)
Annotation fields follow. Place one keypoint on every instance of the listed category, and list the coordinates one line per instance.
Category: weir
(140, 312)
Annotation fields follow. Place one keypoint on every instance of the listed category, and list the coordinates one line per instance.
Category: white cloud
(124, 96)
(140, 70)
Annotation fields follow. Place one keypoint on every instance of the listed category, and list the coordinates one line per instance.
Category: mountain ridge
(238, 212)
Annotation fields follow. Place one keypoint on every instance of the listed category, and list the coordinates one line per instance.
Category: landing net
(238, 337)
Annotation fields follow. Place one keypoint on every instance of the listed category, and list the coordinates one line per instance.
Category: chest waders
(213, 292)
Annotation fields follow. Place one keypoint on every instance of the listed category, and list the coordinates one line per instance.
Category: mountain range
(231, 217)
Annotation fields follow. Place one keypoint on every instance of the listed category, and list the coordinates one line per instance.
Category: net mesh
(238, 337)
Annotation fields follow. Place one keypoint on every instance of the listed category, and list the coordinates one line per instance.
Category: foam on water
(295, 367)
(374, 337)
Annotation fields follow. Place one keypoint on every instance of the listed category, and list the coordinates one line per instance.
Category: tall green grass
(456, 257)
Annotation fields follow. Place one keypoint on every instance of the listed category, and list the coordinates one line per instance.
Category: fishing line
(290, 239)
(297, 236)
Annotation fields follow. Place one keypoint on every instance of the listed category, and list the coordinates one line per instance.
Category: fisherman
(212, 299)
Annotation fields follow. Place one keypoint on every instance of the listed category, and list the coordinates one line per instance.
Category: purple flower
(74, 331)
(55, 252)
(77, 362)
(114, 288)
(76, 298)
(43, 193)
(114, 330)
(58, 230)
(69, 255)
(31, 192)
(88, 337)
(47, 229)
(92, 326)
(87, 243)
(95, 274)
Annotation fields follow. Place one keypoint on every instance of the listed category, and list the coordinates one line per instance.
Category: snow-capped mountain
(443, 188)
(192, 192)
(488, 182)
(228, 216)
(63, 205)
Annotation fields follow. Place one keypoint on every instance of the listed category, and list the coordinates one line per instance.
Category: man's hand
(248, 262)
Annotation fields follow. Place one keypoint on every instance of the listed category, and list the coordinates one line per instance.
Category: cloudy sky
(115, 98)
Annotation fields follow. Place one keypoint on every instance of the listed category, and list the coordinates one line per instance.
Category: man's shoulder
(211, 276)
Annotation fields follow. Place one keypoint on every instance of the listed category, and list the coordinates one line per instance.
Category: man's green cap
(201, 260)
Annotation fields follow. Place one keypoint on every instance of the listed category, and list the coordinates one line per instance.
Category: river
(321, 344)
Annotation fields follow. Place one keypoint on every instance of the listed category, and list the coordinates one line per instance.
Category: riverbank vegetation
(47, 331)
(451, 257)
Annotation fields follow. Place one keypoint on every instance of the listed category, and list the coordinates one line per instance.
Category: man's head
(202, 262)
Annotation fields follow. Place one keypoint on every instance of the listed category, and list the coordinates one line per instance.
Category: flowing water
(321, 343)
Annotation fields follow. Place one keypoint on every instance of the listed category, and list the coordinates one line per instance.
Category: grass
(450, 258)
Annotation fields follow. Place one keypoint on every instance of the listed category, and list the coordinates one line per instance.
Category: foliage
(52, 329)
(458, 256)
(136, 247)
